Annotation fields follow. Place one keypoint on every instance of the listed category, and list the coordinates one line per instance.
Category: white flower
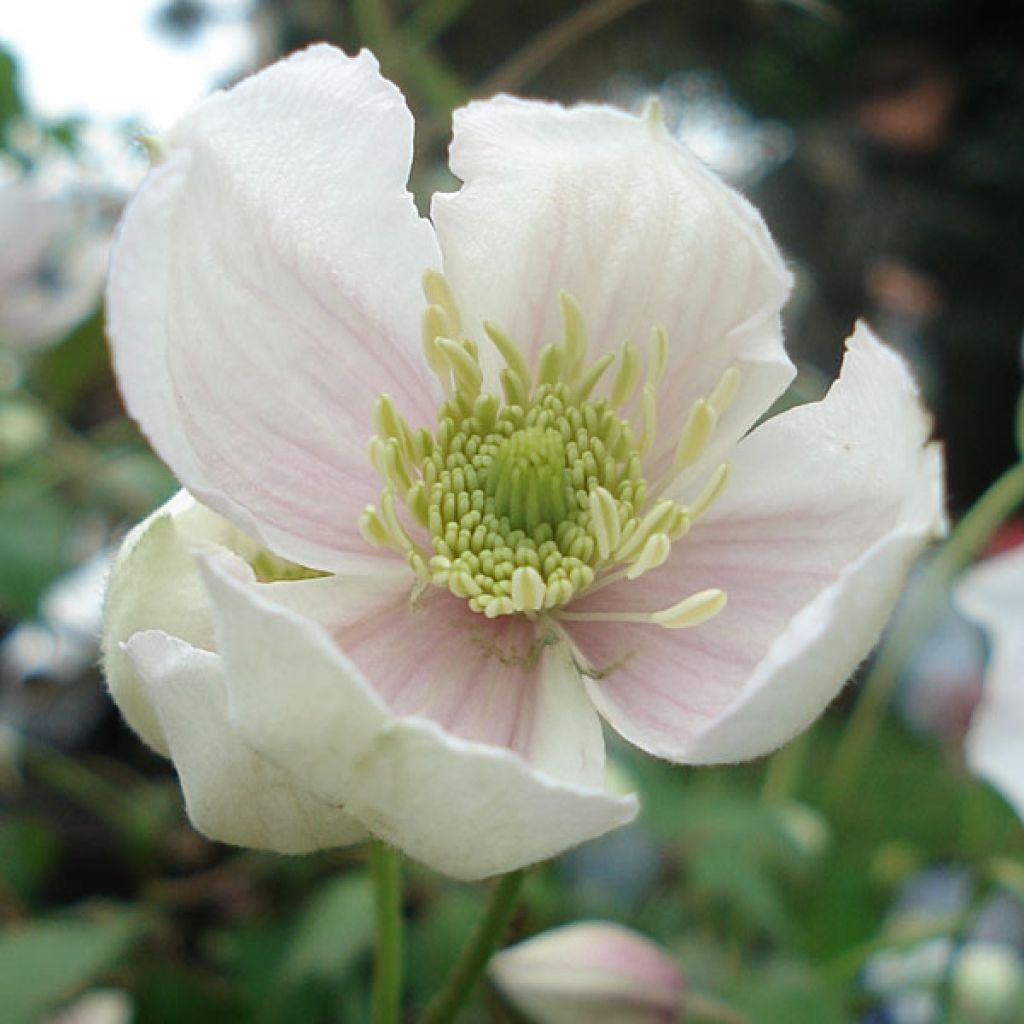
(992, 594)
(535, 520)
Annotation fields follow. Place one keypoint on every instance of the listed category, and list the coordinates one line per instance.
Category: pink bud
(592, 971)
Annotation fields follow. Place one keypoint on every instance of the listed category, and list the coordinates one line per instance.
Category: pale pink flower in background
(54, 248)
(433, 541)
(992, 595)
(591, 971)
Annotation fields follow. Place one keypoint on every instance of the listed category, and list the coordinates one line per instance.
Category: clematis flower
(463, 487)
(992, 594)
(593, 971)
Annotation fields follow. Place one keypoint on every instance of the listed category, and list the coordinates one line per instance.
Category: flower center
(532, 498)
(527, 478)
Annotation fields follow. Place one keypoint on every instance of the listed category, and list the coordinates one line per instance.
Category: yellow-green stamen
(532, 498)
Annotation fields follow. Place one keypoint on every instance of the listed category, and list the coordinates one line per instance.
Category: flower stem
(963, 546)
(385, 870)
(477, 951)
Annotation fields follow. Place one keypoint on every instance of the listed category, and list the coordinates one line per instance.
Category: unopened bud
(592, 971)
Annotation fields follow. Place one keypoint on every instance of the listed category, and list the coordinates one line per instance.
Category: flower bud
(592, 971)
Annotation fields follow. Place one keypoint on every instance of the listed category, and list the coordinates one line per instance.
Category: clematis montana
(992, 594)
(460, 488)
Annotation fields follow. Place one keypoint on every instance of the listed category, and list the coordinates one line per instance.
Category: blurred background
(884, 144)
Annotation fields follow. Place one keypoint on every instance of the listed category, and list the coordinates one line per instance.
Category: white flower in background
(54, 248)
(439, 537)
(992, 594)
(591, 971)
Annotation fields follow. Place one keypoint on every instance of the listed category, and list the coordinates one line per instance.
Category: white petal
(492, 681)
(154, 584)
(464, 808)
(613, 210)
(993, 595)
(265, 289)
(828, 506)
(231, 793)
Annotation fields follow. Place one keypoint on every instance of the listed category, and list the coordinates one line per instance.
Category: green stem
(964, 545)
(477, 951)
(385, 870)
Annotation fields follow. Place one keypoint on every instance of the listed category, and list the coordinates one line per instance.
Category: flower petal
(265, 289)
(828, 506)
(992, 594)
(612, 209)
(154, 584)
(467, 809)
(490, 681)
(231, 793)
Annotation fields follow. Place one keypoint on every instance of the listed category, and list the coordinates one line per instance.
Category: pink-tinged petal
(610, 208)
(154, 584)
(827, 507)
(591, 971)
(231, 793)
(265, 288)
(992, 594)
(465, 808)
(491, 681)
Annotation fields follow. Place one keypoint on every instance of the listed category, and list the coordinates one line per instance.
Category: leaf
(333, 933)
(34, 529)
(47, 962)
(28, 853)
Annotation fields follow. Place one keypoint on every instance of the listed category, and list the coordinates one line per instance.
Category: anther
(574, 333)
(655, 551)
(510, 352)
(691, 611)
(724, 391)
(528, 590)
(626, 378)
(710, 492)
(700, 424)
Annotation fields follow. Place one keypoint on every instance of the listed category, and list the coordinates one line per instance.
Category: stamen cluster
(534, 497)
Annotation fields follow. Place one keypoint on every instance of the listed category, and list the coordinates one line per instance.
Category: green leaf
(48, 962)
(28, 853)
(11, 105)
(34, 530)
(335, 931)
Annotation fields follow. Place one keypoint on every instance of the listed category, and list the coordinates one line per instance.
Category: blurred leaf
(335, 930)
(47, 962)
(169, 995)
(11, 105)
(63, 375)
(437, 934)
(737, 853)
(66, 132)
(785, 993)
(34, 529)
(332, 934)
(28, 853)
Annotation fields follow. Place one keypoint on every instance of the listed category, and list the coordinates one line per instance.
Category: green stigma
(532, 497)
(528, 480)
